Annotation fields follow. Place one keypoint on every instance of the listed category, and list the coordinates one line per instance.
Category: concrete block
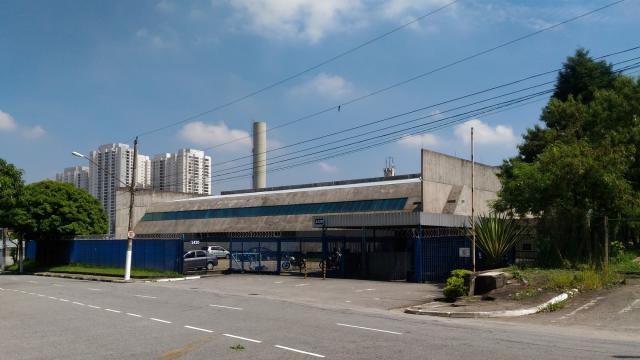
(488, 281)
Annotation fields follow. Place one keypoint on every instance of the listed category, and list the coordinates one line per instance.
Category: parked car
(217, 251)
(199, 259)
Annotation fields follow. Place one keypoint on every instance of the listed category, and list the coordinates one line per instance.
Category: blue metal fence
(440, 255)
(156, 254)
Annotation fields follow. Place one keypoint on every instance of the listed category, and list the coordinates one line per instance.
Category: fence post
(324, 253)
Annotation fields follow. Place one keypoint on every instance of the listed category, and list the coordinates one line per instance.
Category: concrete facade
(144, 199)
(447, 185)
(187, 171)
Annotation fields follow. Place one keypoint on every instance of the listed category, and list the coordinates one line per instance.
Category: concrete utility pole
(473, 210)
(130, 233)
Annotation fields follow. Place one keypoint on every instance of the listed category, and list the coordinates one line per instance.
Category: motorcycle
(290, 260)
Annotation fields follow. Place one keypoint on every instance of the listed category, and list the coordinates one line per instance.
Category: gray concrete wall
(447, 184)
(144, 199)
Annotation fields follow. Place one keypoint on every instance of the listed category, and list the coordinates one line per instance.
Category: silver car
(199, 259)
(217, 251)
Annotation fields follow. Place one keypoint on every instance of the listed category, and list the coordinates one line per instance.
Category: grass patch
(555, 306)
(237, 347)
(109, 271)
(567, 279)
(624, 263)
(27, 266)
(526, 294)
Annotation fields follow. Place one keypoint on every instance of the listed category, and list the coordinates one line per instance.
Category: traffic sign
(131, 234)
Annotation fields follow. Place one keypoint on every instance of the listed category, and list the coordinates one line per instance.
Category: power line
(424, 74)
(454, 119)
(307, 70)
(223, 171)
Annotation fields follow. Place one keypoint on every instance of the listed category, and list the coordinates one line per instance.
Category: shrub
(454, 288)
(497, 234)
(461, 273)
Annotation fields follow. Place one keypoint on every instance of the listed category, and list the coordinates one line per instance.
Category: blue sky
(77, 74)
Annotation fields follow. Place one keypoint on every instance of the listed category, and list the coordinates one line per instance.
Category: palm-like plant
(496, 235)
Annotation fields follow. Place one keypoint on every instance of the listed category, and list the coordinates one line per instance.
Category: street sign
(130, 234)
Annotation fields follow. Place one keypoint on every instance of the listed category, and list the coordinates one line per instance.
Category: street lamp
(132, 188)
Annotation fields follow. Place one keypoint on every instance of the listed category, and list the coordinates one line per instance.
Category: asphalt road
(216, 318)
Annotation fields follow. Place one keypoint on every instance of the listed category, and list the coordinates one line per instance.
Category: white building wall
(78, 176)
(187, 171)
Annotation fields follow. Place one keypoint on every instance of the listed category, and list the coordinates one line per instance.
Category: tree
(11, 185)
(583, 165)
(50, 210)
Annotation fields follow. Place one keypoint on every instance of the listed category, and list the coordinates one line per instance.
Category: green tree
(50, 210)
(497, 234)
(583, 165)
(11, 185)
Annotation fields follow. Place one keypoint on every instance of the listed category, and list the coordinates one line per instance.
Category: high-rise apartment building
(109, 163)
(187, 171)
(77, 175)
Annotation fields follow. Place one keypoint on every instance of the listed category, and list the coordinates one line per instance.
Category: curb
(83, 277)
(493, 314)
(194, 277)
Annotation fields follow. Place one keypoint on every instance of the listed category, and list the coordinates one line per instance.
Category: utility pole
(130, 233)
(473, 210)
(4, 249)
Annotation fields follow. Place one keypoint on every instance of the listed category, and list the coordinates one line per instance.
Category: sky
(78, 74)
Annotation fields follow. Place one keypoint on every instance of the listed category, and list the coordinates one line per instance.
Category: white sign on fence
(464, 252)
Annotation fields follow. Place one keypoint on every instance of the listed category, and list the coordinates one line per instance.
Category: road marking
(361, 290)
(115, 311)
(22, 291)
(277, 282)
(371, 329)
(302, 284)
(197, 328)
(146, 296)
(226, 307)
(40, 295)
(52, 298)
(160, 320)
(78, 303)
(32, 281)
(134, 315)
(94, 289)
(630, 307)
(65, 300)
(57, 285)
(31, 293)
(299, 351)
(242, 338)
(347, 301)
(94, 307)
(583, 307)
(1, 289)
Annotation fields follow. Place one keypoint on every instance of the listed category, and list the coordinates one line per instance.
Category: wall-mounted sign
(318, 222)
(464, 252)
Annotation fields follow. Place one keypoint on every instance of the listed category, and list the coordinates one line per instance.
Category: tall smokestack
(259, 155)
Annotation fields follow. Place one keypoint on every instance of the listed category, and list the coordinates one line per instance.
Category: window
(280, 210)
(190, 255)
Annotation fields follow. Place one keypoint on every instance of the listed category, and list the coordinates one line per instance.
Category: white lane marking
(94, 307)
(1, 289)
(30, 293)
(52, 298)
(302, 284)
(65, 300)
(242, 338)
(22, 291)
(134, 315)
(115, 311)
(197, 328)
(160, 320)
(33, 282)
(57, 285)
(583, 307)
(226, 307)
(94, 289)
(78, 303)
(299, 351)
(630, 307)
(370, 329)
(347, 301)
(41, 295)
(146, 296)
(277, 282)
(361, 290)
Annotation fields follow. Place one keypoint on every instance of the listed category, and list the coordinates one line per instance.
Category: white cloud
(326, 85)
(407, 10)
(6, 122)
(420, 140)
(32, 133)
(485, 134)
(155, 40)
(302, 19)
(165, 6)
(199, 133)
(326, 167)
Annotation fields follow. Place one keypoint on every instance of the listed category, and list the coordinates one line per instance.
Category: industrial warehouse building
(400, 227)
